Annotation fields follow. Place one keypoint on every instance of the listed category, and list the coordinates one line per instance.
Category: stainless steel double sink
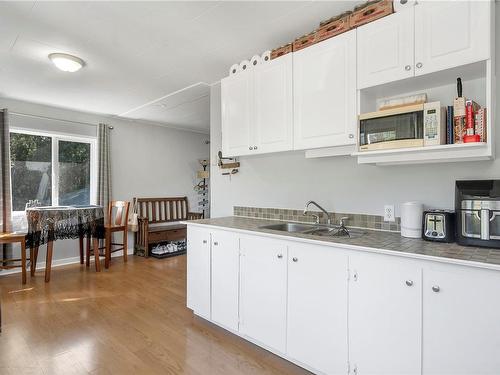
(315, 230)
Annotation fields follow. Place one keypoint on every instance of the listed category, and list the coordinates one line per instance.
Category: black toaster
(438, 225)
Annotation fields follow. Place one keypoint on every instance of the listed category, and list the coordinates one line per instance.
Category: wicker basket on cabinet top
(334, 26)
(370, 12)
(280, 51)
(304, 41)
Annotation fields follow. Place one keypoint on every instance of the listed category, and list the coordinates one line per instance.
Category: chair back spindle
(118, 213)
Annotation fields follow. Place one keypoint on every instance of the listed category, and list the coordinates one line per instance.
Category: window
(55, 169)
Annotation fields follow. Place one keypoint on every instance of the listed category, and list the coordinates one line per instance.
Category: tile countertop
(373, 241)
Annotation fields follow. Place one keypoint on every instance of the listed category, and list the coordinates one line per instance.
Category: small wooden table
(47, 224)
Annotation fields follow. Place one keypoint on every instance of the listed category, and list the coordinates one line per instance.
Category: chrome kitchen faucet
(316, 216)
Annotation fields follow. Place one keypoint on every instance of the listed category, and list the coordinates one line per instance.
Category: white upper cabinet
(273, 106)
(426, 38)
(385, 315)
(257, 109)
(385, 49)
(263, 291)
(461, 310)
(225, 278)
(237, 113)
(324, 79)
(317, 307)
(451, 33)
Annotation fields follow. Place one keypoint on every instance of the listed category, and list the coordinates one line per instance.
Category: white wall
(288, 180)
(147, 160)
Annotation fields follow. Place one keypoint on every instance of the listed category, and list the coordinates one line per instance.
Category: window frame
(55, 138)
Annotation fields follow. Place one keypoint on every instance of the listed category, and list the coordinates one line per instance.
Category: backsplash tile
(355, 220)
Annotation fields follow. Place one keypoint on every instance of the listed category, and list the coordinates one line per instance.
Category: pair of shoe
(164, 249)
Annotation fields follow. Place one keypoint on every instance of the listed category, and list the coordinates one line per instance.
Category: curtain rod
(54, 119)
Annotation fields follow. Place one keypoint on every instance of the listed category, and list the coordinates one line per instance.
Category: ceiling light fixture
(65, 62)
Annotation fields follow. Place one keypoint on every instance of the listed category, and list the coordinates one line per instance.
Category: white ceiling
(144, 60)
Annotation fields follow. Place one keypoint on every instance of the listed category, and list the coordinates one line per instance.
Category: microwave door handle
(485, 224)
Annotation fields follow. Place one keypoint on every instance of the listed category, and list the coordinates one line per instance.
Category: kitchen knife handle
(459, 87)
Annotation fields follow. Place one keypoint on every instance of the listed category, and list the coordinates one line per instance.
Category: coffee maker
(477, 206)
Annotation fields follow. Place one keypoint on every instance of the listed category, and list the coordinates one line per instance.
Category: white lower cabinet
(340, 311)
(225, 279)
(198, 271)
(461, 320)
(263, 265)
(317, 307)
(385, 305)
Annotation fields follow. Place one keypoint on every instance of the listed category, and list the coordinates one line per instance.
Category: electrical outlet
(389, 212)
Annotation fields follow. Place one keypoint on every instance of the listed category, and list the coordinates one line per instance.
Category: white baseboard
(58, 263)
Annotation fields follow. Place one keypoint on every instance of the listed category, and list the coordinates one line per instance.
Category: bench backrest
(163, 210)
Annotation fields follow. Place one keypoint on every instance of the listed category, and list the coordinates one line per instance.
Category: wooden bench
(157, 217)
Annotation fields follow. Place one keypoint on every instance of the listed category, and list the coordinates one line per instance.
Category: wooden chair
(16, 237)
(117, 221)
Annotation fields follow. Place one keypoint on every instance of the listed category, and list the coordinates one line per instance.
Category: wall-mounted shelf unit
(479, 84)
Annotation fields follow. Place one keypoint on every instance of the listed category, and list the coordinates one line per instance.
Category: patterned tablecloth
(62, 222)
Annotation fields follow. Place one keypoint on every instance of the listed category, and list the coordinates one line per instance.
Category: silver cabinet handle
(408, 67)
(204, 241)
(280, 256)
(216, 243)
(295, 259)
(419, 65)
(409, 282)
(436, 289)
(255, 147)
(351, 136)
(250, 148)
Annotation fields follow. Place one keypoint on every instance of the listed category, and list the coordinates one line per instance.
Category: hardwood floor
(130, 319)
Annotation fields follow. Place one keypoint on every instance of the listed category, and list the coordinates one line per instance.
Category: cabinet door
(198, 271)
(385, 324)
(451, 33)
(273, 106)
(385, 49)
(324, 79)
(237, 112)
(225, 278)
(461, 325)
(317, 307)
(263, 291)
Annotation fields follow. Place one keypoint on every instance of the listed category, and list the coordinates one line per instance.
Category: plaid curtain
(5, 194)
(103, 166)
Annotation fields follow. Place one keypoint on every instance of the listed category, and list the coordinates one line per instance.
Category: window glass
(74, 173)
(31, 169)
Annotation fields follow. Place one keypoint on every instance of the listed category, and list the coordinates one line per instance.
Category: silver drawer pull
(295, 259)
(407, 67)
(204, 241)
(436, 289)
(409, 282)
(280, 256)
(216, 243)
